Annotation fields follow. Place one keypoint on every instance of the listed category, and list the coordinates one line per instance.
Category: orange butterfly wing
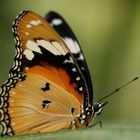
(46, 89)
(32, 110)
(36, 37)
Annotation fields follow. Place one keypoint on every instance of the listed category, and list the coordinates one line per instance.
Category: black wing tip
(52, 15)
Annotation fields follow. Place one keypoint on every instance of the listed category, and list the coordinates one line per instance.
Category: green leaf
(110, 131)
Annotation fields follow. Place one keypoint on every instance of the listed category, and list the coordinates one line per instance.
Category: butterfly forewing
(64, 30)
(45, 53)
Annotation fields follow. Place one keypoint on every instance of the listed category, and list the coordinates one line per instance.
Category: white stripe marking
(54, 47)
(67, 61)
(33, 46)
(28, 54)
(48, 46)
(59, 48)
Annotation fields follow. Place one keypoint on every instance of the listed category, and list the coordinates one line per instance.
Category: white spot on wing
(28, 26)
(67, 61)
(39, 22)
(88, 113)
(35, 22)
(81, 57)
(28, 54)
(72, 45)
(33, 46)
(27, 33)
(83, 116)
(74, 69)
(81, 88)
(77, 78)
(56, 22)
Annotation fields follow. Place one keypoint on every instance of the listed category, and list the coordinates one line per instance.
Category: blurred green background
(109, 33)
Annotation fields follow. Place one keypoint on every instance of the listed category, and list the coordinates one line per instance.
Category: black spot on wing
(23, 77)
(72, 110)
(45, 103)
(46, 87)
(63, 29)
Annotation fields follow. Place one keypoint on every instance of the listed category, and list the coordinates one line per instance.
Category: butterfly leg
(96, 123)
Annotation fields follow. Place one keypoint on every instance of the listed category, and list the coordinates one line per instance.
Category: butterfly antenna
(118, 89)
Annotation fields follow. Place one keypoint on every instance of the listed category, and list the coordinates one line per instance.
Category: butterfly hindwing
(41, 103)
(64, 30)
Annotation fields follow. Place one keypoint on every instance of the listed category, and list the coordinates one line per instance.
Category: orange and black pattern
(49, 87)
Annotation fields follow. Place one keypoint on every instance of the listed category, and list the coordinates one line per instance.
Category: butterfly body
(49, 87)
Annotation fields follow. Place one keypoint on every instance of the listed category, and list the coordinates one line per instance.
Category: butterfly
(49, 87)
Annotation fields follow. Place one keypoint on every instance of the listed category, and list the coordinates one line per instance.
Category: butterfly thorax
(87, 116)
(83, 120)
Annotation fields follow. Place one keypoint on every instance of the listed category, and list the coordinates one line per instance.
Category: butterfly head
(83, 120)
(98, 107)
